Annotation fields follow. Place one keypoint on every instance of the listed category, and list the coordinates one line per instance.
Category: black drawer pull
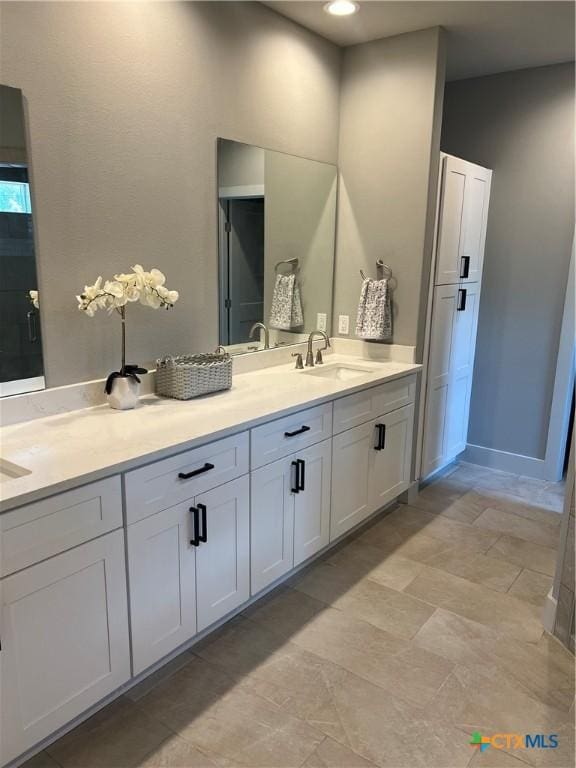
(302, 479)
(204, 535)
(381, 437)
(465, 267)
(461, 306)
(297, 432)
(296, 487)
(196, 515)
(187, 475)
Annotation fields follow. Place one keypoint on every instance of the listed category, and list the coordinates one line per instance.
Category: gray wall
(124, 102)
(389, 142)
(520, 124)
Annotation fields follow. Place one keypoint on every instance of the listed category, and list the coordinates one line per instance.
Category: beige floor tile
(41, 760)
(514, 485)
(470, 474)
(331, 754)
(532, 587)
(136, 693)
(464, 509)
(525, 554)
(176, 752)
(119, 736)
(375, 655)
(514, 525)
(545, 670)
(473, 601)
(391, 570)
(248, 730)
(513, 505)
(495, 758)
(562, 757)
(284, 612)
(494, 574)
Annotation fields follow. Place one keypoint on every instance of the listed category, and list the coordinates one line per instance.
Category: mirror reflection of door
(244, 266)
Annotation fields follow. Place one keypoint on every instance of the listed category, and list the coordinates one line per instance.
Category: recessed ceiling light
(341, 7)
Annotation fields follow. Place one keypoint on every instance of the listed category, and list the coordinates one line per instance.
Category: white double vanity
(133, 534)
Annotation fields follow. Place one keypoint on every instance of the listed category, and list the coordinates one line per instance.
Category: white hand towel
(286, 310)
(374, 320)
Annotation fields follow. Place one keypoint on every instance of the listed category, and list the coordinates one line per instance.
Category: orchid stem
(123, 316)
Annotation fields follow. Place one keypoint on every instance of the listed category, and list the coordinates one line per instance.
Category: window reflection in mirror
(21, 364)
(276, 246)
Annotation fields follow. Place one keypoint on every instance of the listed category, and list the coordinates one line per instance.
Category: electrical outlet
(344, 324)
(321, 321)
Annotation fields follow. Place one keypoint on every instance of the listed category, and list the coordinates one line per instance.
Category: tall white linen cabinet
(464, 194)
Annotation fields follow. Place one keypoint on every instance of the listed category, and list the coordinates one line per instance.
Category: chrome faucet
(310, 355)
(266, 333)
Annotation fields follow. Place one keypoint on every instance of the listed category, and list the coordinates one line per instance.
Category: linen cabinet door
(461, 369)
(312, 502)
(64, 640)
(161, 566)
(450, 221)
(439, 376)
(223, 552)
(474, 221)
(272, 522)
(351, 496)
(391, 461)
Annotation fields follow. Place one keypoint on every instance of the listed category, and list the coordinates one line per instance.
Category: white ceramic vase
(124, 394)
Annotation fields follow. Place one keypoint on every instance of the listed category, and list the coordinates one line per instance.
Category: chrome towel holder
(382, 270)
(293, 263)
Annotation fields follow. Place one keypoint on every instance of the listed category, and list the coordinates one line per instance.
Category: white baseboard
(505, 462)
(549, 612)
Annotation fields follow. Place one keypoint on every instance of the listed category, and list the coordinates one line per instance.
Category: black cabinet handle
(381, 437)
(461, 306)
(32, 333)
(196, 515)
(465, 266)
(302, 473)
(204, 535)
(296, 487)
(297, 432)
(187, 475)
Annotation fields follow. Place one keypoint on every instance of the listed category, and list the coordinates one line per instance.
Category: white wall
(390, 119)
(520, 124)
(124, 103)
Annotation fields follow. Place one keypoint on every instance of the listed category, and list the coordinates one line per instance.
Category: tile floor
(390, 651)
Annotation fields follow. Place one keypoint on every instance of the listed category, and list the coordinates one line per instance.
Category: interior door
(245, 266)
(450, 220)
(439, 367)
(64, 640)
(351, 493)
(272, 522)
(223, 552)
(391, 462)
(161, 565)
(461, 369)
(312, 502)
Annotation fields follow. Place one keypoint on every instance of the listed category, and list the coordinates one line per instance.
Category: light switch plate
(321, 321)
(344, 324)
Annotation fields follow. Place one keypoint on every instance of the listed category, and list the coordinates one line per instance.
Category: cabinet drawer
(285, 436)
(37, 531)
(357, 409)
(164, 483)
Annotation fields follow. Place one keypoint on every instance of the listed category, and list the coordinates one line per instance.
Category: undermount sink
(339, 371)
(10, 471)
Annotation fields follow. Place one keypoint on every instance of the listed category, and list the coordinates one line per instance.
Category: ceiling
(483, 37)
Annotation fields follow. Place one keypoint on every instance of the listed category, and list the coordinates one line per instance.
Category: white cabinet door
(351, 493)
(439, 373)
(161, 566)
(463, 214)
(223, 553)
(461, 370)
(64, 640)
(312, 502)
(272, 522)
(450, 220)
(391, 461)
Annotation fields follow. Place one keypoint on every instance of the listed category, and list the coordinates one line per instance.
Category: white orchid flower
(34, 298)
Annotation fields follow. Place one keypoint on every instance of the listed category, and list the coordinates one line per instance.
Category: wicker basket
(189, 376)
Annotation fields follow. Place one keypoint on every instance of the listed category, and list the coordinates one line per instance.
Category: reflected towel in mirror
(286, 310)
(374, 320)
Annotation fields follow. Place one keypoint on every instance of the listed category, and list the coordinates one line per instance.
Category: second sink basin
(339, 371)
(9, 471)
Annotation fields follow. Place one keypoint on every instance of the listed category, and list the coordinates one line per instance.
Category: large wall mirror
(21, 364)
(277, 217)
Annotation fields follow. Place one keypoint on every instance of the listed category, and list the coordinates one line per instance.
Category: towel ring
(385, 269)
(293, 263)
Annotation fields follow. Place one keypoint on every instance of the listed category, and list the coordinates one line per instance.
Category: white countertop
(69, 449)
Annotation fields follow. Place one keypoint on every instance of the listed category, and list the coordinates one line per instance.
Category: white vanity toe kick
(67, 450)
